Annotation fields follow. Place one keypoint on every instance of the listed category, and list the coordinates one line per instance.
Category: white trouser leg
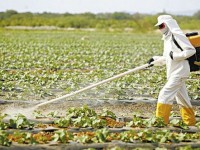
(173, 86)
(182, 97)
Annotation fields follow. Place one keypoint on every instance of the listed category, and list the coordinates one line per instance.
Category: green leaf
(60, 136)
(4, 141)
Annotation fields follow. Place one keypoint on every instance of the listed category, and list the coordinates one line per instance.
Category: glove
(171, 55)
(150, 61)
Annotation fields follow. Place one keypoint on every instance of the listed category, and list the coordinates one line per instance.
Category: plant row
(84, 117)
(98, 136)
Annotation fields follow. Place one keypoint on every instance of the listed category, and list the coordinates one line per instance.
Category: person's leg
(163, 111)
(186, 110)
(166, 98)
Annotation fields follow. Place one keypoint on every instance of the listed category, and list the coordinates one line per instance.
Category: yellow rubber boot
(188, 116)
(163, 111)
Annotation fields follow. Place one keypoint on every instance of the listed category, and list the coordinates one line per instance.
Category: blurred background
(128, 15)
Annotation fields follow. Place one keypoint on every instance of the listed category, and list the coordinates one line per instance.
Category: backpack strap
(176, 43)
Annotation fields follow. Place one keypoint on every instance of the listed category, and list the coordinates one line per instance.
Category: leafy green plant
(101, 135)
(63, 122)
(84, 111)
(62, 136)
(53, 114)
(146, 136)
(98, 123)
(161, 136)
(164, 136)
(179, 123)
(142, 123)
(197, 125)
(3, 125)
(108, 113)
(128, 136)
(23, 138)
(84, 138)
(82, 122)
(19, 122)
(38, 114)
(173, 137)
(155, 122)
(136, 122)
(4, 140)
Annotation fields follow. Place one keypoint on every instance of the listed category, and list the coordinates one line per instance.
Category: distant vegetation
(117, 20)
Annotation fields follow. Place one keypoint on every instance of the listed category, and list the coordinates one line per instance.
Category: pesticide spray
(28, 111)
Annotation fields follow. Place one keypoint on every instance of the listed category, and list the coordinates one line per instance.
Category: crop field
(45, 64)
(42, 65)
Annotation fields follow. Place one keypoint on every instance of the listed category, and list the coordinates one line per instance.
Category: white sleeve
(188, 49)
(160, 60)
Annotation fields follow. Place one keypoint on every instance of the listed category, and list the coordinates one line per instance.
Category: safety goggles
(161, 26)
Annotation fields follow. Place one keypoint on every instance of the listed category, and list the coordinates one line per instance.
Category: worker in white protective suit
(178, 70)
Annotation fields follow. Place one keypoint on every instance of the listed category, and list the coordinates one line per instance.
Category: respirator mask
(164, 29)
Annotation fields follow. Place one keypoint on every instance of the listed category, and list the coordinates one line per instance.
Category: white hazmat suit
(178, 70)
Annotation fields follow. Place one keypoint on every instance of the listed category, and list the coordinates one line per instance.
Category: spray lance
(101, 82)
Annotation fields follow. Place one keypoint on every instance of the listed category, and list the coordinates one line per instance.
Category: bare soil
(119, 107)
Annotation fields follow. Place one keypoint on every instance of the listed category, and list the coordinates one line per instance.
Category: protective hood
(172, 25)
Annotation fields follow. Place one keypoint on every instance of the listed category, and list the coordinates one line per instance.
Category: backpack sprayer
(194, 60)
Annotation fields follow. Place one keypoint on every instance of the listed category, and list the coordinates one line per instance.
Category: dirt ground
(124, 108)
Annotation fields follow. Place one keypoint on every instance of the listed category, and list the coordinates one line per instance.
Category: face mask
(164, 29)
